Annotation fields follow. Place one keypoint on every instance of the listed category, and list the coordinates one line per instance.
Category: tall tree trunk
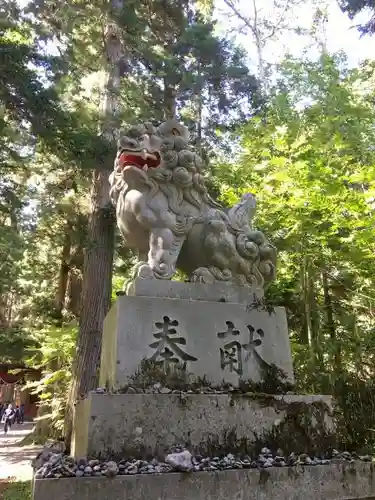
(64, 272)
(97, 285)
(259, 43)
(97, 275)
(331, 322)
(169, 104)
(358, 361)
(199, 110)
(305, 333)
(314, 316)
(311, 330)
(74, 288)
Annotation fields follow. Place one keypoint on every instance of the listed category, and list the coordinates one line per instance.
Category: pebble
(180, 461)
(93, 463)
(111, 469)
(268, 463)
(132, 470)
(58, 465)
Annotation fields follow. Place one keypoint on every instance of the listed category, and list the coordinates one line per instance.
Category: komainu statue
(165, 212)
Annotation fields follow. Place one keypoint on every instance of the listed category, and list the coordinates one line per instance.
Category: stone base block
(214, 342)
(148, 425)
(217, 292)
(330, 482)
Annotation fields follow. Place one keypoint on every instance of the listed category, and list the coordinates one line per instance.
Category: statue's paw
(210, 275)
(158, 271)
(163, 271)
(202, 275)
(145, 271)
(246, 247)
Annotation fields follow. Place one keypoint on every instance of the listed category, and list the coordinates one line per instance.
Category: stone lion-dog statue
(164, 212)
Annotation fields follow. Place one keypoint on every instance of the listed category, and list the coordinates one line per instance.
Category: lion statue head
(161, 156)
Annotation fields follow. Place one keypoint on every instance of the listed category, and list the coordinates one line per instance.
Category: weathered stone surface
(346, 481)
(216, 292)
(165, 212)
(180, 461)
(126, 425)
(218, 342)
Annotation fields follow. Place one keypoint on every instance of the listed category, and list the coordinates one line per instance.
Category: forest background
(279, 97)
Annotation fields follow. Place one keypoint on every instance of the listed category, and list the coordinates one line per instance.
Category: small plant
(54, 358)
(18, 490)
(151, 372)
(273, 381)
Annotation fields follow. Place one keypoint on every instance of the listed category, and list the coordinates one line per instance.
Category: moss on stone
(175, 377)
(273, 381)
(302, 430)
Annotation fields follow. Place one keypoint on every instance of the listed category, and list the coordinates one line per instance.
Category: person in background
(7, 418)
(2, 408)
(22, 413)
(16, 416)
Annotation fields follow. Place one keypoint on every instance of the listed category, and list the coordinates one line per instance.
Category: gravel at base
(58, 465)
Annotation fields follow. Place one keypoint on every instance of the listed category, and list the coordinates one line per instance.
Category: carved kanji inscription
(167, 344)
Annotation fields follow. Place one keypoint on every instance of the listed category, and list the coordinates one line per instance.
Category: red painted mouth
(152, 161)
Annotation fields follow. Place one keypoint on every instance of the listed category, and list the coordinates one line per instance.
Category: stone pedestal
(189, 364)
(347, 481)
(148, 425)
(214, 333)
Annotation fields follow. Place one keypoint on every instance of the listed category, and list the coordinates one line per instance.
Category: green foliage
(354, 7)
(17, 490)
(310, 161)
(354, 405)
(308, 154)
(14, 345)
(54, 357)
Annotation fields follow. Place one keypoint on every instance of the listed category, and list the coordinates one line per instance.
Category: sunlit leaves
(310, 161)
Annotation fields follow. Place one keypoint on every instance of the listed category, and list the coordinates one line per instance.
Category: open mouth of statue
(142, 159)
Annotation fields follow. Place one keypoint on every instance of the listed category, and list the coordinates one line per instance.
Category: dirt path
(15, 460)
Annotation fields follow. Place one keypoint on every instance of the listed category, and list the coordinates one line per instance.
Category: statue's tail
(241, 215)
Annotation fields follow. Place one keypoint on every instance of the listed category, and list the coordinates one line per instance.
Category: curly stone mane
(179, 175)
(165, 212)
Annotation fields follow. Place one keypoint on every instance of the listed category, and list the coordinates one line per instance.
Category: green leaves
(310, 161)
(354, 7)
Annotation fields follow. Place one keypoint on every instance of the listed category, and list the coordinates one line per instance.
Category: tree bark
(199, 111)
(169, 100)
(96, 294)
(331, 322)
(97, 274)
(259, 43)
(314, 315)
(74, 288)
(74, 292)
(64, 272)
(97, 286)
